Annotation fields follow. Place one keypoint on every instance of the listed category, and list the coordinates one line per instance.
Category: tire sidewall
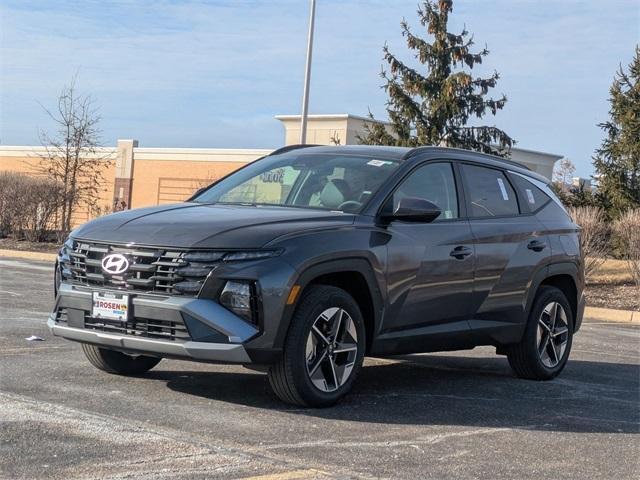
(546, 296)
(318, 300)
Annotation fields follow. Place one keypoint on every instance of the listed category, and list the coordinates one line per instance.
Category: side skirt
(459, 335)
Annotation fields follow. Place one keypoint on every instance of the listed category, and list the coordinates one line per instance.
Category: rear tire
(119, 363)
(544, 349)
(323, 351)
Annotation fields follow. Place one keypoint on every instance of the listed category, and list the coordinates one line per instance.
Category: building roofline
(538, 152)
(345, 116)
(331, 116)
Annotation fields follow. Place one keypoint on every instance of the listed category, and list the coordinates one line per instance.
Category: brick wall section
(143, 176)
(168, 181)
(26, 160)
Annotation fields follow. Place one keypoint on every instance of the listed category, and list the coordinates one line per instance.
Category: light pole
(307, 76)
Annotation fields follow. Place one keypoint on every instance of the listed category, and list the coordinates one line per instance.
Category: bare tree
(594, 236)
(563, 173)
(627, 229)
(73, 157)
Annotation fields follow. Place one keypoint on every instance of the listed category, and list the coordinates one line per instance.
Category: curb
(26, 255)
(611, 315)
(590, 313)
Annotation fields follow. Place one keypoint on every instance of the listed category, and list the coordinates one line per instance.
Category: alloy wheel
(331, 350)
(552, 334)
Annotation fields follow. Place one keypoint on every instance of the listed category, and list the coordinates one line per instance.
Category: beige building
(329, 129)
(138, 176)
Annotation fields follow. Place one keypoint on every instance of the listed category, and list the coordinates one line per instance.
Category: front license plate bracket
(110, 306)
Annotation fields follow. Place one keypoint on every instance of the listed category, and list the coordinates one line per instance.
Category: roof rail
(288, 148)
(418, 150)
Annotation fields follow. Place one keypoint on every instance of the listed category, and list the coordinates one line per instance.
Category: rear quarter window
(533, 198)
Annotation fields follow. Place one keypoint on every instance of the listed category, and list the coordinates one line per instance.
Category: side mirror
(413, 209)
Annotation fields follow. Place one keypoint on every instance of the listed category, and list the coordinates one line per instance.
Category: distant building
(581, 183)
(345, 128)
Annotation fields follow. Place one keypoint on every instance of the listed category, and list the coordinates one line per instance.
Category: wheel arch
(563, 276)
(354, 275)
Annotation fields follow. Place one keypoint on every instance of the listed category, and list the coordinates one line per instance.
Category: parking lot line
(290, 475)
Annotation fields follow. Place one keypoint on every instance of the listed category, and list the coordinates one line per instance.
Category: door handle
(461, 252)
(536, 245)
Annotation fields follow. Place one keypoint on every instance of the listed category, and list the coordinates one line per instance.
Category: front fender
(361, 249)
(360, 265)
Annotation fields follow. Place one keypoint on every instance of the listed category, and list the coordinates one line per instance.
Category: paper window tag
(376, 163)
(503, 190)
(530, 196)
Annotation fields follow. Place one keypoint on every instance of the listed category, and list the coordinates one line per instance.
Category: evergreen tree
(431, 105)
(617, 161)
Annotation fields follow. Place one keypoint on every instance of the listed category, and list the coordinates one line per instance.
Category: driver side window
(434, 182)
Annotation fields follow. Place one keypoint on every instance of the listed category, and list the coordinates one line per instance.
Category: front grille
(138, 327)
(152, 270)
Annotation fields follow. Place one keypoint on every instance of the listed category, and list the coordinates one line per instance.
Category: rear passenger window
(489, 192)
(533, 197)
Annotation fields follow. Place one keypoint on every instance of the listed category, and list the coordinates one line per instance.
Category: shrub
(28, 205)
(594, 236)
(627, 229)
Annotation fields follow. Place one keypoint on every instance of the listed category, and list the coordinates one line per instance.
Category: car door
(510, 246)
(430, 265)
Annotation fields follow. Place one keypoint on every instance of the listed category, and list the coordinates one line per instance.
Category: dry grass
(612, 286)
(627, 228)
(594, 233)
(611, 272)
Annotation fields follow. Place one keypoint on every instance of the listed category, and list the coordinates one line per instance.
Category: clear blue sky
(214, 73)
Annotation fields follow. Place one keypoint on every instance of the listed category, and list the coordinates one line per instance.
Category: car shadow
(450, 390)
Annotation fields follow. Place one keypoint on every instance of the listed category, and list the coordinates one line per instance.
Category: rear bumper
(210, 332)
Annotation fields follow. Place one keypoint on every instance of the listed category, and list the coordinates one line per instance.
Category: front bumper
(582, 303)
(200, 319)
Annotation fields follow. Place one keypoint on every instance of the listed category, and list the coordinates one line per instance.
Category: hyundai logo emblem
(115, 264)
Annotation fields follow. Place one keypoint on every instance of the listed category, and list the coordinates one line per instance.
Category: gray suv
(304, 261)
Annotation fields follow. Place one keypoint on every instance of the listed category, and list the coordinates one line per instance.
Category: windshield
(295, 179)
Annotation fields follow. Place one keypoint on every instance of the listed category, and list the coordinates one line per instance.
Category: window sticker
(377, 163)
(532, 200)
(503, 190)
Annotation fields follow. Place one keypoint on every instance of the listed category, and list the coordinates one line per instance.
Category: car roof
(388, 152)
(402, 154)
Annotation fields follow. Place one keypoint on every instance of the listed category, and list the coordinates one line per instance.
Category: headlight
(251, 255)
(203, 257)
(57, 279)
(65, 262)
(238, 296)
(195, 270)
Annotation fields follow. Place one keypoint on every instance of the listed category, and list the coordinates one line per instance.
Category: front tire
(544, 349)
(119, 363)
(323, 351)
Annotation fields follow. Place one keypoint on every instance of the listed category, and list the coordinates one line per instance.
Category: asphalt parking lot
(452, 415)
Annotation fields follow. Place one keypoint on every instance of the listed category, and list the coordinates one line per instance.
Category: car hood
(195, 225)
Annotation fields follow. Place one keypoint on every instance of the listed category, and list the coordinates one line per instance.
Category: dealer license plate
(112, 306)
